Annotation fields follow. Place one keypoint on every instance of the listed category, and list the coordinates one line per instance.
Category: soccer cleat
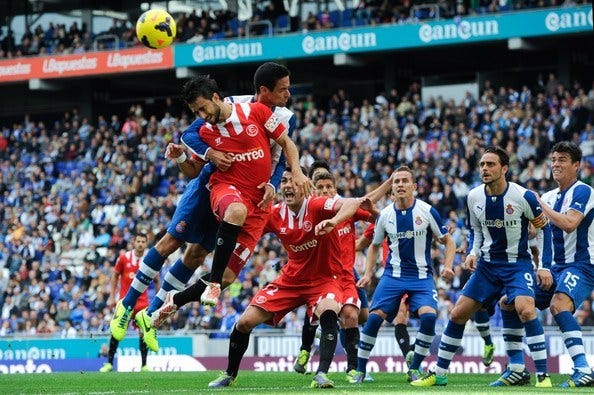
(409, 358)
(579, 379)
(412, 375)
(510, 377)
(168, 308)
(356, 377)
(149, 334)
(321, 380)
(429, 380)
(211, 294)
(119, 322)
(146, 368)
(300, 365)
(543, 381)
(488, 354)
(368, 378)
(224, 380)
(107, 367)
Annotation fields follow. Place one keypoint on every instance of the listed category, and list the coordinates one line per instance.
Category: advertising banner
(89, 63)
(61, 349)
(530, 23)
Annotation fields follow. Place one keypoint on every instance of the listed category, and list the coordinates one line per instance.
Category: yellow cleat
(119, 322)
(107, 367)
(149, 334)
(543, 381)
(429, 380)
(146, 368)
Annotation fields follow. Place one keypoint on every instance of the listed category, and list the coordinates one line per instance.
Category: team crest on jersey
(307, 226)
(260, 299)
(418, 221)
(252, 130)
(180, 227)
(272, 123)
(509, 209)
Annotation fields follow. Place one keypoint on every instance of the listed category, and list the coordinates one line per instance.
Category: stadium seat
(234, 26)
(282, 24)
(336, 18)
(163, 188)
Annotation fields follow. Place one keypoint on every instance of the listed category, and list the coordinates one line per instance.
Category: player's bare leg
(238, 343)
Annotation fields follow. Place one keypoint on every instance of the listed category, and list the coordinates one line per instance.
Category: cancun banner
(489, 27)
(88, 63)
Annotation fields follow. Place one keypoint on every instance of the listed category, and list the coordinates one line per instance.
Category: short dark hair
(407, 170)
(141, 233)
(500, 152)
(570, 148)
(318, 164)
(201, 86)
(324, 175)
(268, 75)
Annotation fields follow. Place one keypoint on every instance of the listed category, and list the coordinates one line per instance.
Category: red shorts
(283, 296)
(252, 228)
(350, 294)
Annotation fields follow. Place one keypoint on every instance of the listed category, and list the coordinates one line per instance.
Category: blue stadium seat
(336, 18)
(234, 26)
(282, 23)
(163, 188)
(347, 17)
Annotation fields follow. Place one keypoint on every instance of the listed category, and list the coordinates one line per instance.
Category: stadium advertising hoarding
(37, 349)
(89, 63)
(532, 23)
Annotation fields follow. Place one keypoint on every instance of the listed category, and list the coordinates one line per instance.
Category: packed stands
(73, 190)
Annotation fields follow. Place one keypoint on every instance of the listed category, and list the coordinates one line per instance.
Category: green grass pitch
(248, 383)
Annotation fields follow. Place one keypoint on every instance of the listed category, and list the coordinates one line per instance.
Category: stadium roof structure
(12, 8)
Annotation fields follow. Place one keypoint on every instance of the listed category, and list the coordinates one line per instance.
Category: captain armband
(540, 222)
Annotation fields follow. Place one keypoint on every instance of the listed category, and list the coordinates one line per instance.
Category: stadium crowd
(218, 24)
(73, 192)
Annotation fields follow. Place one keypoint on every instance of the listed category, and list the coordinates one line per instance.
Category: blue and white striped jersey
(499, 225)
(577, 246)
(409, 235)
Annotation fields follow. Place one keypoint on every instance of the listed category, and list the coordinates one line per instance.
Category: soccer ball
(155, 29)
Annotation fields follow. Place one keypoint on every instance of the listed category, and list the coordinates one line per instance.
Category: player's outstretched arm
(345, 209)
(380, 191)
(189, 166)
(292, 154)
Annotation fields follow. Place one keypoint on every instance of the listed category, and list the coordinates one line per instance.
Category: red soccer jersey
(307, 262)
(368, 234)
(127, 265)
(246, 135)
(344, 236)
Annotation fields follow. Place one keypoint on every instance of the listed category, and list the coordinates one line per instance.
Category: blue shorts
(390, 290)
(491, 280)
(193, 220)
(575, 281)
(362, 293)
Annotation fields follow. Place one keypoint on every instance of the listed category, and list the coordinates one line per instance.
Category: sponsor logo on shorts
(261, 299)
(180, 227)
